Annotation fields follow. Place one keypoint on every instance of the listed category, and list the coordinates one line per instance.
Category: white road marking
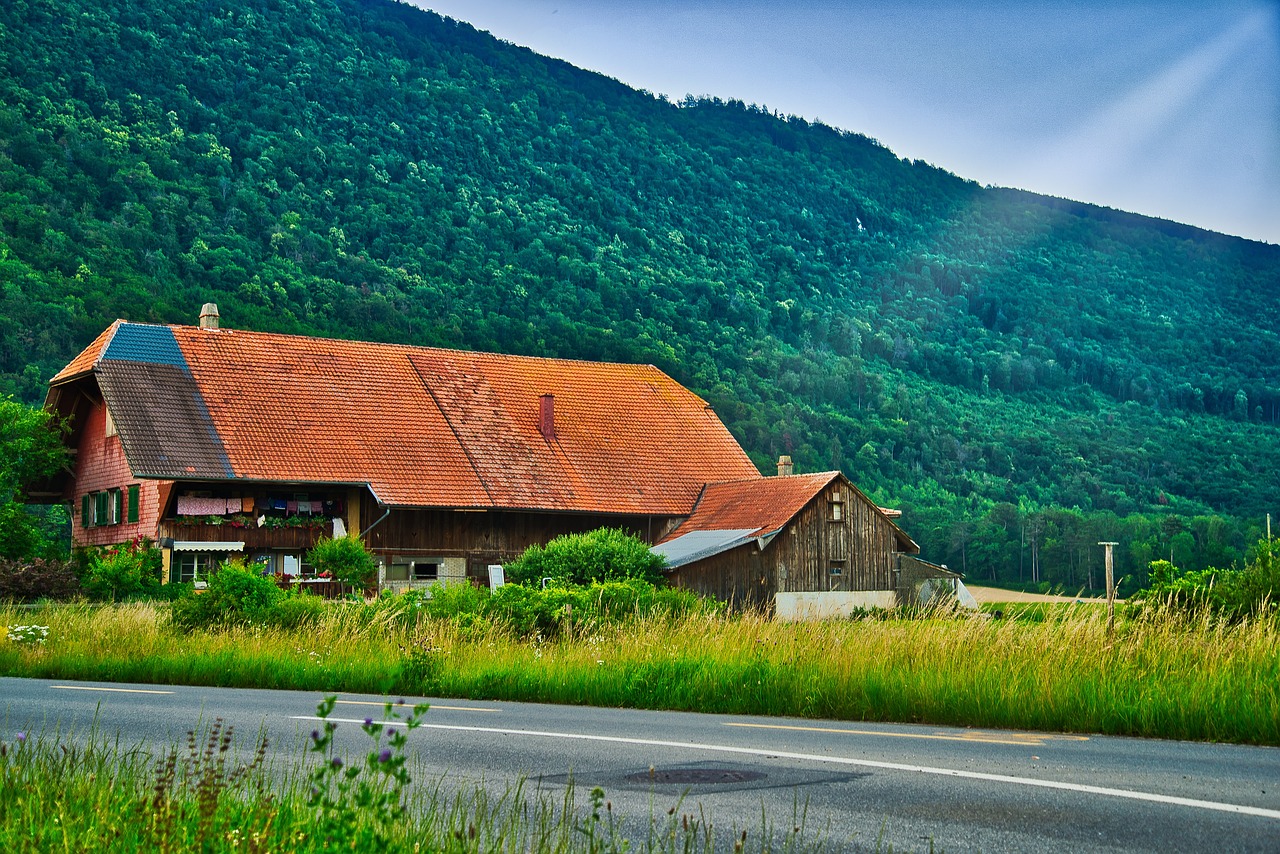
(410, 706)
(113, 690)
(1028, 739)
(1129, 794)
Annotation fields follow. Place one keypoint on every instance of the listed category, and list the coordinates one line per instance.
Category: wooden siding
(487, 537)
(741, 577)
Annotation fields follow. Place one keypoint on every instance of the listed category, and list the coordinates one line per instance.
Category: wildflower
(368, 721)
(22, 736)
(315, 735)
(336, 762)
(385, 755)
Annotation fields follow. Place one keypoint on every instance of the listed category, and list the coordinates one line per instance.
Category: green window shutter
(133, 503)
(100, 508)
(118, 516)
(85, 519)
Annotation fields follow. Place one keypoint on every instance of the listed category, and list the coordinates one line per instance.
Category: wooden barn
(799, 545)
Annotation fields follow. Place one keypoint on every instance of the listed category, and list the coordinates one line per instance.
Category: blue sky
(1164, 108)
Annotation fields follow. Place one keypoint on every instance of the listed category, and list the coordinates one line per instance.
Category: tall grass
(1162, 675)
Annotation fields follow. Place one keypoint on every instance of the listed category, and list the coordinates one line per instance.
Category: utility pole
(1111, 590)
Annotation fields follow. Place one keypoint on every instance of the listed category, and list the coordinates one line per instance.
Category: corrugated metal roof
(696, 545)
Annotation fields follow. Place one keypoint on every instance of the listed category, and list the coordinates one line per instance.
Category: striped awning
(192, 546)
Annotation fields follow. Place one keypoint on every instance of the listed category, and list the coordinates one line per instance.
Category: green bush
(606, 554)
(345, 559)
(121, 572)
(235, 596)
(1233, 593)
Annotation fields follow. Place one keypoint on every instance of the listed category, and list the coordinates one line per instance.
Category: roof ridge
(396, 345)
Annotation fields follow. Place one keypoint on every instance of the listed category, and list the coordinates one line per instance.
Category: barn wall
(741, 577)
(860, 544)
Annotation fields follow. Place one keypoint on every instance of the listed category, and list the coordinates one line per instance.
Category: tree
(31, 449)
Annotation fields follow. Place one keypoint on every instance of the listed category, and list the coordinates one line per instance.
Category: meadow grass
(1161, 675)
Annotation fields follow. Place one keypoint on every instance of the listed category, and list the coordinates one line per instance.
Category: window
(115, 507)
(194, 566)
(110, 429)
(426, 570)
(837, 567)
(86, 511)
(837, 507)
(100, 504)
(133, 503)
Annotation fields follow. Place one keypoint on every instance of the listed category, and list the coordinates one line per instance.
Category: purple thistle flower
(315, 735)
(385, 755)
(336, 762)
(21, 737)
(391, 731)
(368, 721)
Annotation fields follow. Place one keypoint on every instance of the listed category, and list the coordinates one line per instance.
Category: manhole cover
(692, 776)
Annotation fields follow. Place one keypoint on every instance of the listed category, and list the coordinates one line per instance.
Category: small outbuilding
(800, 546)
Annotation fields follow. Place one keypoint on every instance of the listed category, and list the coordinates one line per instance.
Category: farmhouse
(216, 442)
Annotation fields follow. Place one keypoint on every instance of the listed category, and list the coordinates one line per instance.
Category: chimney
(209, 316)
(547, 416)
(785, 466)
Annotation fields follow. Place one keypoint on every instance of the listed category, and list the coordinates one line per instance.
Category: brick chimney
(547, 416)
(785, 467)
(209, 316)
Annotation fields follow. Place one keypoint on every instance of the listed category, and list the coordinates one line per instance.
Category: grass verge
(1161, 676)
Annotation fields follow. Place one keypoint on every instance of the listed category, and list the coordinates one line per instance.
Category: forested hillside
(1023, 376)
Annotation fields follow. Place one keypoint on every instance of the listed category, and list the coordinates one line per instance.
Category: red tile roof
(442, 428)
(762, 505)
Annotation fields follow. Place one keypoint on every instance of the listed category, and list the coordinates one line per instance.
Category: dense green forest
(1023, 376)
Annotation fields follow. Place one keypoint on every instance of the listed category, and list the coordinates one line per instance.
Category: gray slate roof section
(697, 545)
(165, 428)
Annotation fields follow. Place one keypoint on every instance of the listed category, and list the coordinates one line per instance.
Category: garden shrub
(606, 554)
(116, 573)
(235, 596)
(29, 580)
(345, 559)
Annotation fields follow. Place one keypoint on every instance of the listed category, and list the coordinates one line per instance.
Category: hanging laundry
(339, 528)
(246, 504)
(291, 507)
(304, 506)
(277, 504)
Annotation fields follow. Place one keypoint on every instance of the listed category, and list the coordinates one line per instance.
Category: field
(1045, 667)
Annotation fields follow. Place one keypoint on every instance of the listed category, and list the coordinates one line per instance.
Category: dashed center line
(113, 690)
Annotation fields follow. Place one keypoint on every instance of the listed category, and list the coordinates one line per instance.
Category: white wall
(821, 606)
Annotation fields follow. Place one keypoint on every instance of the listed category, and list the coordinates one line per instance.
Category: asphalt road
(861, 786)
